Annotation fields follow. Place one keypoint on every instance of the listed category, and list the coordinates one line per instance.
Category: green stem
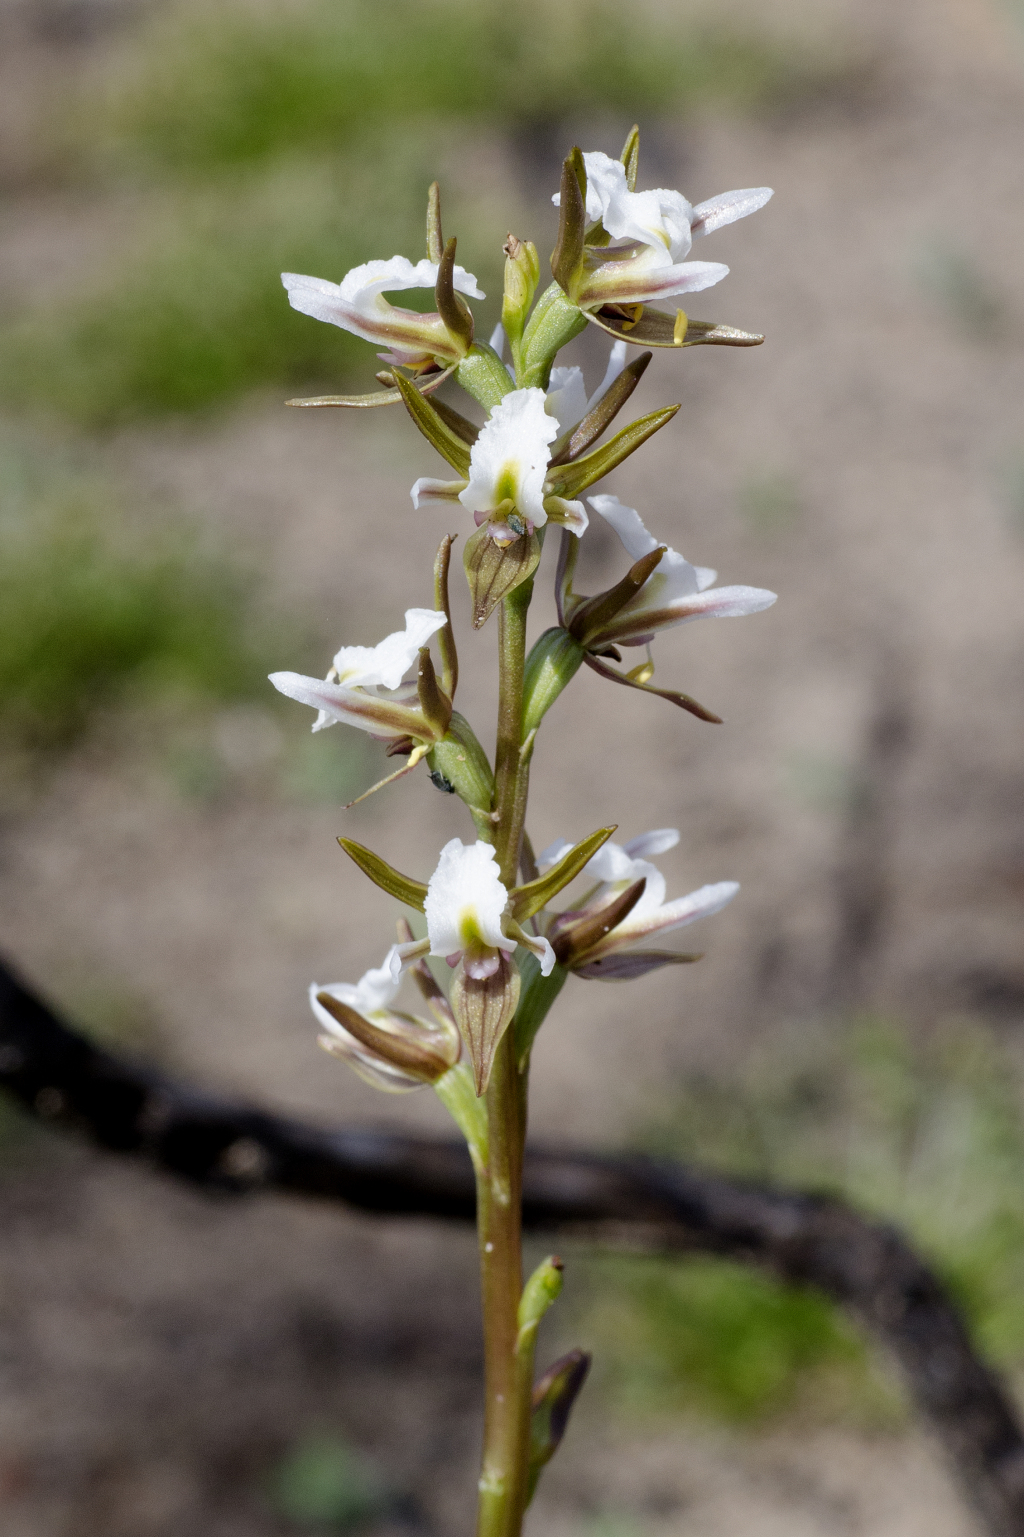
(505, 1467)
(504, 1472)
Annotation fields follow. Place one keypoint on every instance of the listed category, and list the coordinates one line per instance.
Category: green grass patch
(236, 85)
(928, 1134)
(94, 608)
(197, 314)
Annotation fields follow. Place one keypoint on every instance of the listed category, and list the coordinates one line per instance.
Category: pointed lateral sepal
(483, 1009)
(493, 572)
(630, 156)
(572, 935)
(632, 963)
(442, 602)
(435, 239)
(579, 438)
(567, 257)
(553, 1397)
(643, 326)
(590, 617)
(459, 424)
(451, 307)
(433, 427)
(570, 479)
(412, 893)
(684, 701)
(434, 702)
(527, 900)
(539, 1293)
(424, 1054)
(393, 397)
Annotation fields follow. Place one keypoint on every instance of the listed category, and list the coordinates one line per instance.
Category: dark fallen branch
(636, 1202)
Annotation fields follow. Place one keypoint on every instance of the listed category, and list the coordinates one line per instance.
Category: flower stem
(505, 1466)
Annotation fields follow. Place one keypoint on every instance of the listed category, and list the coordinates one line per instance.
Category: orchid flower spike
(390, 1050)
(627, 905)
(508, 463)
(364, 688)
(674, 593)
(653, 232)
(357, 304)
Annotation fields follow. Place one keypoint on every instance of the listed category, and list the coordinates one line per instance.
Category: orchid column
(487, 909)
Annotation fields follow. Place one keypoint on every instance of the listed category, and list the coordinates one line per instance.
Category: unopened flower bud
(522, 273)
(553, 1397)
(552, 663)
(541, 1290)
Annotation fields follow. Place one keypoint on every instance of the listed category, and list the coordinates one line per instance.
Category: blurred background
(169, 533)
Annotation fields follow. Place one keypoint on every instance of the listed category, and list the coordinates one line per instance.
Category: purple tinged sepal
(453, 310)
(421, 1052)
(568, 256)
(553, 1397)
(642, 326)
(497, 566)
(484, 1007)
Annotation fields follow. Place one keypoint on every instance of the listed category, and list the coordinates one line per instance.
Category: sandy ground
(157, 1350)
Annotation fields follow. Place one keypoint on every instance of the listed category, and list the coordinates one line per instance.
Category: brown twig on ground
(642, 1203)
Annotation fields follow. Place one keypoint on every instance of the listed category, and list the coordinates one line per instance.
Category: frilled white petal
(616, 363)
(614, 867)
(427, 490)
(510, 457)
(375, 991)
(648, 844)
(672, 578)
(567, 396)
(571, 514)
(386, 664)
(363, 285)
(726, 208)
(466, 900)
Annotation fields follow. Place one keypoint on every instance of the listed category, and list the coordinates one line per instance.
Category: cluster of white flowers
(514, 481)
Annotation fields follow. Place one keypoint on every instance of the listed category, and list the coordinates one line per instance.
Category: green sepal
(445, 637)
(462, 761)
(553, 1397)
(535, 999)
(567, 257)
(630, 156)
(570, 479)
(553, 662)
(433, 427)
(554, 322)
(412, 893)
(434, 702)
(451, 307)
(493, 572)
(458, 1095)
(579, 438)
(655, 328)
(527, 900)
(540, 1292)
(393, 397)
(435, 239)
(483, 375)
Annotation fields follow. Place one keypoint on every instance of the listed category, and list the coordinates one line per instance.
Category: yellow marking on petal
(642, 674)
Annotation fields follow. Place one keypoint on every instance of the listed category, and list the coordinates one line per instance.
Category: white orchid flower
(406, 1052)
(468, 917)
(508, 466)
(357, 304)
(656, 229)
(674, 593)
(615, 868)
(567, 400)
(364, 687)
